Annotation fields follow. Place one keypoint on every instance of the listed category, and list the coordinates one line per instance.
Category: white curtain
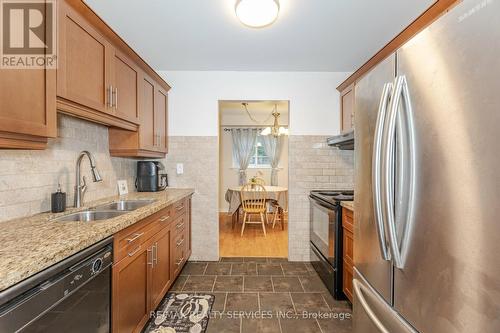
(244, 140)
(273, 147)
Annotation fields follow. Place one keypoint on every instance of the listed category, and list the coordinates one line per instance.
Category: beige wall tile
(27, 178)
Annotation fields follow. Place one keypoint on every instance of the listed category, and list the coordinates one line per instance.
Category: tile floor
(265, 295)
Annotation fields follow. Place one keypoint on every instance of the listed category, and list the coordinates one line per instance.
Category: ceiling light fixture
(257, 13)
(276, 130)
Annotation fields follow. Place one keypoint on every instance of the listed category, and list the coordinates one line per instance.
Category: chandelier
(276, 130)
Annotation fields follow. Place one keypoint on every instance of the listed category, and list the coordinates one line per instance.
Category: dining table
(278, 194)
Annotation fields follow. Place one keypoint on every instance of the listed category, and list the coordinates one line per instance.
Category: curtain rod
(228, 128)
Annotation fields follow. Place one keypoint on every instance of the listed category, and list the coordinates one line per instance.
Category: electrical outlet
(180, 168)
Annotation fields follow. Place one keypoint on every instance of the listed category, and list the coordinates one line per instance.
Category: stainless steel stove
(326, 236)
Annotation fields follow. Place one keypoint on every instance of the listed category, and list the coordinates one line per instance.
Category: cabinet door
(82, 75)
(347, 108)
(130, 303)
(28, 102)
(125, 99)
(147, 113)
(161, 118)
(161, 276)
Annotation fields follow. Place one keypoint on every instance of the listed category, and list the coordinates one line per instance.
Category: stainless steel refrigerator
(427, 206)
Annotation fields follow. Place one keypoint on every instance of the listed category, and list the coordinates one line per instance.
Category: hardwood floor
(252, 243)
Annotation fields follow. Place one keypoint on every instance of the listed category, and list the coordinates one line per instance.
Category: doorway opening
(253, 163)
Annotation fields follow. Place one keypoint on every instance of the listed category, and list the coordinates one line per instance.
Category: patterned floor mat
(181, 313)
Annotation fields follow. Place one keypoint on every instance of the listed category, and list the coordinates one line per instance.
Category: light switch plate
(180, 168)
(122, 187)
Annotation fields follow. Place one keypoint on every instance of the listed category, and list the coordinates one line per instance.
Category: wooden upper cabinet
(98, 78)
(161, 121)
(27, 108)
(125, 76)
(347, 109)
(95, 81)
(147, 114)
(83, 74)
(151, 141)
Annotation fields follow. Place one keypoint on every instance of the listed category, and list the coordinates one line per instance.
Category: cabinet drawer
(179, 208)
(347, 280)
(179, 253)
(348, 246)
(180, 225)
(128, 240)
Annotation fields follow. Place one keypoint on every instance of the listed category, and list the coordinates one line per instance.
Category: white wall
(193, 100)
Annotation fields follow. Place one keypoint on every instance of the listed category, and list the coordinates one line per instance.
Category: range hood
(343, 141)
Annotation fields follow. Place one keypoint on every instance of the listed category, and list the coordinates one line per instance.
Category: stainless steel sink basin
(89, 216)
(125, 205)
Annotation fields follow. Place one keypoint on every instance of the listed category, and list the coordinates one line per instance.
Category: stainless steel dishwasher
(73, 295)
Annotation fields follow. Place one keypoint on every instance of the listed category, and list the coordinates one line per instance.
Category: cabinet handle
(136, 236)
(155, 254)
(150, 262)
(180, 207)
(109, 103)
(179, 225)
(131, 254)
(164, 218)
(179, 261)
(116, 97)
(179, 243)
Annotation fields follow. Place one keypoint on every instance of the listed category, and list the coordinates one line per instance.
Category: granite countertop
(348, 204)
(30, 245)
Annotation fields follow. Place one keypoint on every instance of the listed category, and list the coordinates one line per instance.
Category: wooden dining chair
(253, 202)
(276, 207)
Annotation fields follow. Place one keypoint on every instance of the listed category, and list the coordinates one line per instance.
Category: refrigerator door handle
(399, 250)
(359, 292)
(376, 171)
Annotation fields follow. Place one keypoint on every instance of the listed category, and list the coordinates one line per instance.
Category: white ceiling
(309, 35)
(233, 113)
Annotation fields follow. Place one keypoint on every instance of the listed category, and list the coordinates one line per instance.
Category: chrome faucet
(79, 187)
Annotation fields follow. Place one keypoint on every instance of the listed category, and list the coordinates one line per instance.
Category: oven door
(323, 228)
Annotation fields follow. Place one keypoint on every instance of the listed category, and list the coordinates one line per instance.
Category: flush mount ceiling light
(257, 13)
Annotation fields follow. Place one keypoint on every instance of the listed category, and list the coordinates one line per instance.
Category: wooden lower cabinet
(161, 273)
(130, 297)
(147, 263)
(348, 249)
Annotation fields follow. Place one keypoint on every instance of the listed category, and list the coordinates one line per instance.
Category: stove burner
(334, 195)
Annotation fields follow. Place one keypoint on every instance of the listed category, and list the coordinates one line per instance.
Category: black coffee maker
(151, 177)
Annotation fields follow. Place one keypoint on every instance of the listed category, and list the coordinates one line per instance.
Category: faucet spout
(79, 187)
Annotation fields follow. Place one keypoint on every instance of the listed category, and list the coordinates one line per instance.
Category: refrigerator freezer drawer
(372, 313)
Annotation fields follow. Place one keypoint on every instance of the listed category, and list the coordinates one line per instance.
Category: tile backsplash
(313, 165)
(200, 159)
(27, 178)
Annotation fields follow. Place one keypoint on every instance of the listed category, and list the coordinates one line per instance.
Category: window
(259, 158)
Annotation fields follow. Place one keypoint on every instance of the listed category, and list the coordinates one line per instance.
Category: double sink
(106, 211)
